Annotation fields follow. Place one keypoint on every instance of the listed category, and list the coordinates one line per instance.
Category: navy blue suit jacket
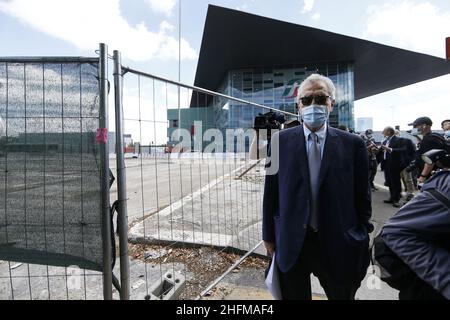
(400, 157)
(344, 203)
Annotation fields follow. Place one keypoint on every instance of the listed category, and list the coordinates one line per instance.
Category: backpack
(393, 270)
(441, 140)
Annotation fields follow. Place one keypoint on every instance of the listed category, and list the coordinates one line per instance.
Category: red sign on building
(448, 48)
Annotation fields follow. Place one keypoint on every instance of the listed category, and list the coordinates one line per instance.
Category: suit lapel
(329, 151)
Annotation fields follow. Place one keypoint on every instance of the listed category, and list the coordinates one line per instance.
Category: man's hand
(387, 149)
(270, 247)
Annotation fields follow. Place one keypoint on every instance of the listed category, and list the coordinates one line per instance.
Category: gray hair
(317, 78)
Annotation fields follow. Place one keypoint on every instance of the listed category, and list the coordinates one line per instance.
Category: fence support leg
(104, 152)
(121, 182)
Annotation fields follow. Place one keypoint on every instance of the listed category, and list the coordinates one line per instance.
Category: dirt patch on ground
(203, 264)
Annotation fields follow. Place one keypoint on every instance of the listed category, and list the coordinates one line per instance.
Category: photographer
(428, 141)
(372, 150)
(419, 234)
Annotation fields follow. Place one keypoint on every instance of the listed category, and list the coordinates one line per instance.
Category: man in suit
(317, 205)
(395, 161)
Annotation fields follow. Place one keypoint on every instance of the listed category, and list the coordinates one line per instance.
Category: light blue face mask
(416, 132)
(315, 115)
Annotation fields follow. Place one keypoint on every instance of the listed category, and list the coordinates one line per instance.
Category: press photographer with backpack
(428, 141)
(413, 248)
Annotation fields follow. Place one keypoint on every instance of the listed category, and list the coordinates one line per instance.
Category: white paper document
(272, 280)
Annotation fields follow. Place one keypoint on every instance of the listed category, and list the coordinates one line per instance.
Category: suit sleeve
(412, 235)
(363, 201)
(270, 206)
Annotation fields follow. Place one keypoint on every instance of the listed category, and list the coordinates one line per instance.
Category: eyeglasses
(319, 99)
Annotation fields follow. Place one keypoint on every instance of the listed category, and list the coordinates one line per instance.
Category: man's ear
(332, 104)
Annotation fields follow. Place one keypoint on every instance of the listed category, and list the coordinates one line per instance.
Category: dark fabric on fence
(50, 188)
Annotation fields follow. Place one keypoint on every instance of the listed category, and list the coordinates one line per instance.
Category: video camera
(412, 166)
(370, 143)
(269, 121)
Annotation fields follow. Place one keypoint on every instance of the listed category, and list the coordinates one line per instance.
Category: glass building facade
(277, 88)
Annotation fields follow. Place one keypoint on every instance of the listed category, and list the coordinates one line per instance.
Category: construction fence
(166, 221)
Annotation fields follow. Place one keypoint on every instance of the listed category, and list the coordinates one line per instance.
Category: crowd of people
(400, 157)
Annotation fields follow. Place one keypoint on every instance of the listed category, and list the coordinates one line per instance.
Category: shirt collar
(320, 133)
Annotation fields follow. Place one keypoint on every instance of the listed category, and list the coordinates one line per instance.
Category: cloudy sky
(147, 33)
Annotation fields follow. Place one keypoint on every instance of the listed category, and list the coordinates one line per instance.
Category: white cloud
(418, 26)
(307, 5)
(242, 8)
(85, 23)
(172, 97)
(162, 6)
(402, 106)
(245, 6)
(316, 16)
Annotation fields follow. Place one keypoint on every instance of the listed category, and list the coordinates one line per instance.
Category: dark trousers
(373, 165)
(296, 283)
(394, 182)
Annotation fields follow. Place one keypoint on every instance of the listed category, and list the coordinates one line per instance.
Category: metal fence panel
(50, 178)
(193, 211)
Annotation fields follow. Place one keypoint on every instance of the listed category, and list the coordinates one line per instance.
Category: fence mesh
(50, 189)
(193, 196)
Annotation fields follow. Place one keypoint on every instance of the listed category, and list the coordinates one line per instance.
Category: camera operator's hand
(372, 147)
(419, 185)
(421, 180)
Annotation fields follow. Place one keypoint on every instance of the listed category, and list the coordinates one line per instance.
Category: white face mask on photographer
(416, 131)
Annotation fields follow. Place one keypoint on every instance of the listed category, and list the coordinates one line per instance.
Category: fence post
(104, 154)
(121, 181)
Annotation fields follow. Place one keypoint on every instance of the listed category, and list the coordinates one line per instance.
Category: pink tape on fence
(102, 135)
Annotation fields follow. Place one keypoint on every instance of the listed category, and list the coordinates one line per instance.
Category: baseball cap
(421, 121)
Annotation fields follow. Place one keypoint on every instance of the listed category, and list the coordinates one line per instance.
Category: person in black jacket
(394, 150)
(428, 141)
(317, 201)
(419, 234)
